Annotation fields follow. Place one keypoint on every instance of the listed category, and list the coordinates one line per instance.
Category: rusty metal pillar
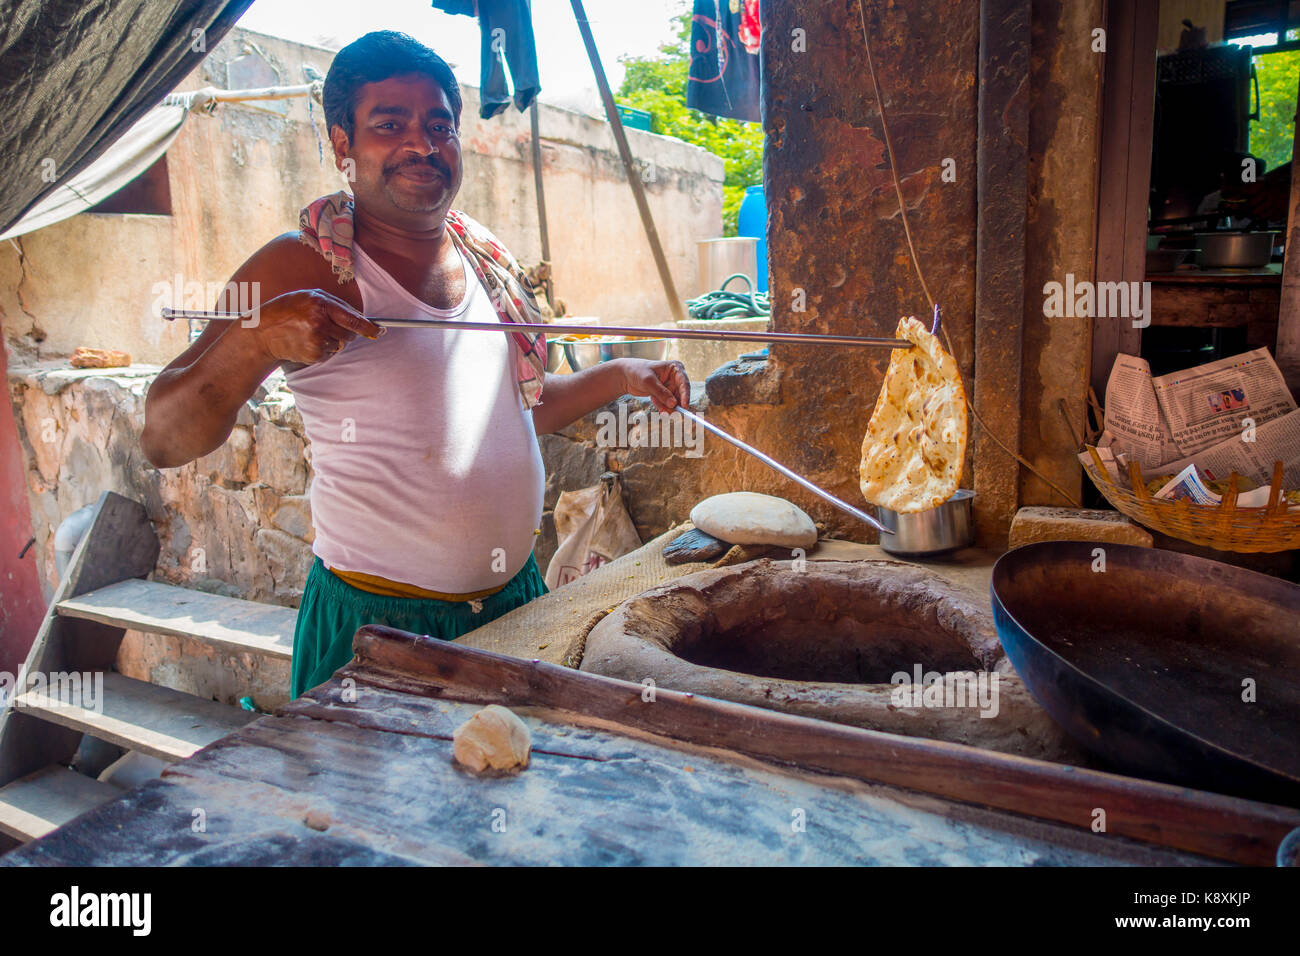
(1002, 190)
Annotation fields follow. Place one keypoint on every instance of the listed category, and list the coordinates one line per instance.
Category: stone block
(230, 465)
(280, 460)
(288, 559)
(570, 465)
(1075, 524)
(293, 514)
(745, 382)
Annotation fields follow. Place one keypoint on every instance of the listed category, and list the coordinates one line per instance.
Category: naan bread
(914, 447)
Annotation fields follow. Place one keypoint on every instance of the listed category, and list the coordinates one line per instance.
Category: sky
(621, 28)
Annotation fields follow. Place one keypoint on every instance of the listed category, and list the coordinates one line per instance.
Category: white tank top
(427, 468)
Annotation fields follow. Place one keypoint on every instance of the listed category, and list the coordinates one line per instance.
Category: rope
(721, 304)
(916, 263)
(573, 657)
(741, 553)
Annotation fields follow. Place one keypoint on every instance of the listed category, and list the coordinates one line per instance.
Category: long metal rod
(669, 333)
(793, 476)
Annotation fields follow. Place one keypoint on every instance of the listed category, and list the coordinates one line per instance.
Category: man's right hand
(307, 326)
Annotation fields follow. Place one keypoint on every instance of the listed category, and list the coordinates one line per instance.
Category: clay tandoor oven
(826, 639)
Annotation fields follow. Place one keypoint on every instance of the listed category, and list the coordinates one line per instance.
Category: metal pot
(940, 529)
(585, 354)
(1234, 250)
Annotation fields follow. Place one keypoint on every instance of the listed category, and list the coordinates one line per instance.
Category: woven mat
(554, 627)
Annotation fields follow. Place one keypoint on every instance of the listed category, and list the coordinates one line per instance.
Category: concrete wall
(239, 177)
(838, 255)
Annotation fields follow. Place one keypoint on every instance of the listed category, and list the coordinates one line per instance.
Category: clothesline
(209, 96)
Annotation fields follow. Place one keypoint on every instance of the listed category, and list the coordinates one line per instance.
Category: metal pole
(792, 475)
(552, 328)
(633, 175)
(537, 183)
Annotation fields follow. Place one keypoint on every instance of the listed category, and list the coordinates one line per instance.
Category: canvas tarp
(137, 150)
(75, 75)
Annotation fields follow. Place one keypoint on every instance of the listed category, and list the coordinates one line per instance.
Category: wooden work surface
(374, 784)
(333, 780)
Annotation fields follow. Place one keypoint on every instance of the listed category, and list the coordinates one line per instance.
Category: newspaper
(1276, 439)
(1207, 404)
(1188, 484)
(1133, 417)
(1236, 414)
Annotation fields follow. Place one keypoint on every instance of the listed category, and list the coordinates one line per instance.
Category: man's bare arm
(566, 398)
(193, 403)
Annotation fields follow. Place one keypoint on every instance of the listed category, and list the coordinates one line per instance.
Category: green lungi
(332, 610)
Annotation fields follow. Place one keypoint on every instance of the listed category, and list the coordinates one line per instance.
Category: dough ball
(746, 517)
(492, 738)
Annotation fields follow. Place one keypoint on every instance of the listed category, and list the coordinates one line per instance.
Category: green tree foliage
(658, 86)
(1271, 136)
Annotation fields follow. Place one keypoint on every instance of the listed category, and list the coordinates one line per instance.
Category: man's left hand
(665, 382)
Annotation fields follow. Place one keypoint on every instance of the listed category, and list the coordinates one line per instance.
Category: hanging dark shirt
(507, 43)
(724, 76)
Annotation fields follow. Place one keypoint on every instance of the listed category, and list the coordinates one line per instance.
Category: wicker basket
(1225, 527)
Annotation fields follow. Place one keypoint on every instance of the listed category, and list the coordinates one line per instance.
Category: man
(428, 478)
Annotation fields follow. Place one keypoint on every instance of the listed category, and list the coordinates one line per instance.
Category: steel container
(1234, 250)
(585, 354)
(934, 531)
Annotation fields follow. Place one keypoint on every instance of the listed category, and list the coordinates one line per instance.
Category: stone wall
(238, 521)
(234, 522)
(238, 178)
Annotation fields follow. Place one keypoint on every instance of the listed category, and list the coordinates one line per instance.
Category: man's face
(406, 149)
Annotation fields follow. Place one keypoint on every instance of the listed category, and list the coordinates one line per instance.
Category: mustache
(446, 173)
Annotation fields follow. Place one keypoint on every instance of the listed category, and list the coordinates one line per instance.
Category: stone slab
(1075, 524)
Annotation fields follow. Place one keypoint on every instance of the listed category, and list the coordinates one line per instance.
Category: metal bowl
(1234, 250)
(554, 354)
(585, 354)
(935, 531)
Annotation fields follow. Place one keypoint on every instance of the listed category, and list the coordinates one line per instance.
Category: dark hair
(374, 57)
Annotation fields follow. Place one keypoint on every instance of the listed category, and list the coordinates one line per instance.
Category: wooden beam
(1002, 196)
(1124, 169)
(537, 183)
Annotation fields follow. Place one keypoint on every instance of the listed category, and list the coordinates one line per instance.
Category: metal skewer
(171, 314)
(767, 337)
(793, 476)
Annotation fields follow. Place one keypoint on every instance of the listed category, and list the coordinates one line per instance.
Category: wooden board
(1124, 169)
(370, 780)
(228, 623)
(158, 721)
(40, 802)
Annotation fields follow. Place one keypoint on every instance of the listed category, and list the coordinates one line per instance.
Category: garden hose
(721, 304)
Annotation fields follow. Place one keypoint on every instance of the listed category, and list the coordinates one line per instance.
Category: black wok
(1148, 663)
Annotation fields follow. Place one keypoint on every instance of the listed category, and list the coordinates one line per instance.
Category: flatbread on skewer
(915, 444)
